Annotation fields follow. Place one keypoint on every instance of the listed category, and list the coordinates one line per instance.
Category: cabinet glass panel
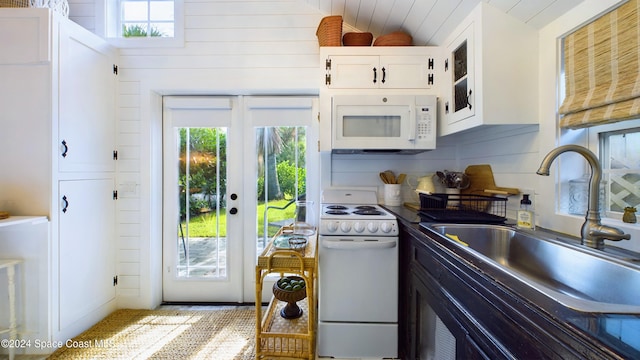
(460, 95)
(460, 62)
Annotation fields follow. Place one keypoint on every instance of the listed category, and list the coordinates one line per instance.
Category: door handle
(65, 204)
(375, 75)
(65, 148)
(233, 211)
(358, 245)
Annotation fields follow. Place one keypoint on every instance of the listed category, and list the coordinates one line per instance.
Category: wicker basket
(397, 38)
(357, 39)
(60, 6)
(14, 3)
(329, 31)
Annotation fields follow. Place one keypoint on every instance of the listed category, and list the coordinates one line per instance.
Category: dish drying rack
(463, 208)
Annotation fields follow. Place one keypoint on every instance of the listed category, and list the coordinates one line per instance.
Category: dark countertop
(618, 332)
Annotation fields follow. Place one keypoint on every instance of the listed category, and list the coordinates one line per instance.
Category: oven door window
(382, 126)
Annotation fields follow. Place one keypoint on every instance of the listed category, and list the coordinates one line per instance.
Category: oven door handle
(351, 245)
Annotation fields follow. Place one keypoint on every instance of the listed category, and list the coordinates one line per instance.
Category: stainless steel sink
(544, 268)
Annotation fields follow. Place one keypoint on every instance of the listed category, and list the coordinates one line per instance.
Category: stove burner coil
(337, 207)
(366, 207)
(336, 212)
(367, 212)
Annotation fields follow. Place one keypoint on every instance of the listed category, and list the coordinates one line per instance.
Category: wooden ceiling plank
(398, 13)
(434, 21)
(380, 16)
(551, 12)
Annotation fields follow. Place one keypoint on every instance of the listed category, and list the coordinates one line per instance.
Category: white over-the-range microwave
(403, 124)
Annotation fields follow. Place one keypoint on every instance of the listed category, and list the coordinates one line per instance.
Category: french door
(222, 196)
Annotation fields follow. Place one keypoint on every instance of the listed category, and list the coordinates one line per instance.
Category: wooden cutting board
(482, 182)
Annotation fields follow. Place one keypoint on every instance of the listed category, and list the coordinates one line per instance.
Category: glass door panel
(201, 239)
(281, 173)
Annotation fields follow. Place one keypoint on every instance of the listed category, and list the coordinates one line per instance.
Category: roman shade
(602, 70)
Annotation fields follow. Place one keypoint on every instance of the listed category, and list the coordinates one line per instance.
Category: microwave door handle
(412, 125)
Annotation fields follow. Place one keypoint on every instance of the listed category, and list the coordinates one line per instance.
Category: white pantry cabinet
(490, 73)
(57, 97)
(379, 67)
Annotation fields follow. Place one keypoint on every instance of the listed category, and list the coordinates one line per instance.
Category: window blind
(602, 70)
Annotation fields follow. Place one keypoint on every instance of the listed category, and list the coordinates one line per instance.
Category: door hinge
(115, 69)
(115, 154)
(431, 64)
(318, 145)
(327, 79)
(115, 194)
(430, 79)
(327, 64)
(446, 65)
(318, 116)
(115, 280)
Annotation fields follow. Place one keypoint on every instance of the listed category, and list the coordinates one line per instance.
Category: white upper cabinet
(379, 67)
(490, 73)
(86, 133)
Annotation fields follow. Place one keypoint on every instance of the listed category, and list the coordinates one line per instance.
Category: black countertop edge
(619, 333)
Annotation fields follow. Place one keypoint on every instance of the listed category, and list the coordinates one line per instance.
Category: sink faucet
(593, 233)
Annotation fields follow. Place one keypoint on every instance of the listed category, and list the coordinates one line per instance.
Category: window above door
(141, 23)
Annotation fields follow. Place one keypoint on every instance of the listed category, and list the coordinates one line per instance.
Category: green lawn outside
(205, 225)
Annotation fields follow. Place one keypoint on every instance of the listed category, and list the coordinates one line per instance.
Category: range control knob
(372, 227)
(345, 227)
(386, 227)
(332, 226)
(358, 227)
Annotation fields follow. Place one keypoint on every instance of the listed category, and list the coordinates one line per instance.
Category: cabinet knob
(233, 211)
(234, 196)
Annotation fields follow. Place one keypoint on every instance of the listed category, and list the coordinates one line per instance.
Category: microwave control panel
(425, 122)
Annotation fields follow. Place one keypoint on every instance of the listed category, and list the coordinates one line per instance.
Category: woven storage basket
(357, 39)
(14, 3)
(397, 38)
(329, 31)
(60, 6)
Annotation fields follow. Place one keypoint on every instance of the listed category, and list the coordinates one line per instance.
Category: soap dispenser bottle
(525, 218)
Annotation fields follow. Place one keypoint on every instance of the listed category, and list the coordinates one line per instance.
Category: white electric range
(358, 277)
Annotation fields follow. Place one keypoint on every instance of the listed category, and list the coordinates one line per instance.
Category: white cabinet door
(354, 72)
(407, 72)
(87, 103)
(459, 73)
(86, 259)
(373, 72)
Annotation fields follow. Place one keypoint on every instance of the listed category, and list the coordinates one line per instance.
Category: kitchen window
(619, 153)
(141, 23)
(144, 18)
